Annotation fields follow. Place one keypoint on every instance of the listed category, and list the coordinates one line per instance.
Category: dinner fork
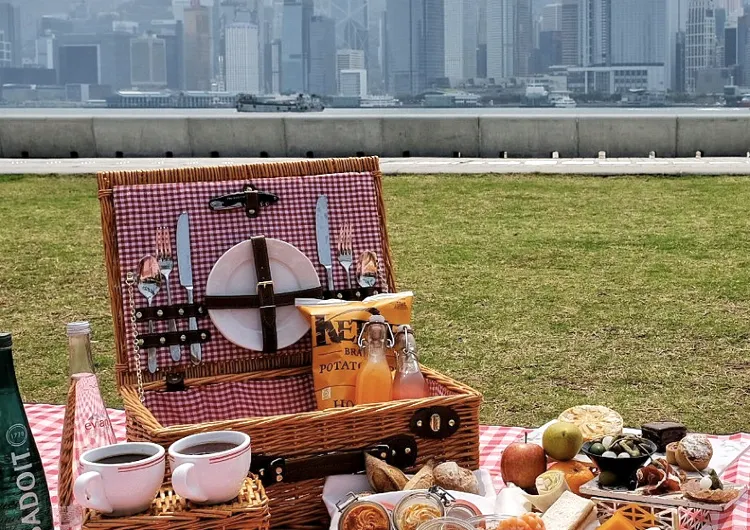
(346, 250)
(166, 265)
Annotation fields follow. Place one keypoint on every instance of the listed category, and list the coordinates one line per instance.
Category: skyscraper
(524, 38)
(501, 38)
(323, 72)
(570, 33)
(700, 46)
(433, 57)
(376, 45)
(460, 39)
(733, 7)
(482, 40)
(552, 17)
(5, 53)
(594, 19)
(44, 51)
(639, 32)
(295, 45)
(743, 51)
(148, 62)
(351, 23)
(242, 58)
(171, 32)
(353, 83)
(10, 25)
(350, 60)
(404, 46)
(197, 41)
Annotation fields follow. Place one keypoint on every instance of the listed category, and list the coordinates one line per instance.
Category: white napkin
(512, 501)
(337, 487)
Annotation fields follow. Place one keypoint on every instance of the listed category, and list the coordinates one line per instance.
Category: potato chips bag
(336, 357)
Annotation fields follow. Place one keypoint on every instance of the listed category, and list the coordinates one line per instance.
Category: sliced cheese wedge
(550, 485)
(570, 512)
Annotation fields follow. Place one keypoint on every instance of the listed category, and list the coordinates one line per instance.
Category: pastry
(594, 421)
(383, 477)
(692, 490)
(450, 476)
(672, 453)
(694, 452)
(662, 433)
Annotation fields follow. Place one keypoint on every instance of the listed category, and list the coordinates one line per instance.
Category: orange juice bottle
(374, 383)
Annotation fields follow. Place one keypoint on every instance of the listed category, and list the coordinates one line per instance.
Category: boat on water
(295, 103)
(565, 102)
(561, 99)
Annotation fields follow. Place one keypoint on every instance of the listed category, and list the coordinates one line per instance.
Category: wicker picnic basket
(171, 512)
(268, 396)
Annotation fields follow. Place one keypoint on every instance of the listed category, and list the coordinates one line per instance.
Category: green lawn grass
(542, 292)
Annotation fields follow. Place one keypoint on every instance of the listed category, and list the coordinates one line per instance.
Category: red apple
(522, 463)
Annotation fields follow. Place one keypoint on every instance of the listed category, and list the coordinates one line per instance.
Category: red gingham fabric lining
(237, 400)
(140, 209)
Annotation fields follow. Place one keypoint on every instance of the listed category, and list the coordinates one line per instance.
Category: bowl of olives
(619, 457)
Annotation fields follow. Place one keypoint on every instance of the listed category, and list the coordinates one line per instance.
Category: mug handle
(89, 492)
(184, 486)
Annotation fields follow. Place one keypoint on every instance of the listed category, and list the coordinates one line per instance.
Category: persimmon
(576, 474)
(533, 520)
(514, 523)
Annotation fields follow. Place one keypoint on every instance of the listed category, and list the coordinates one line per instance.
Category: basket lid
(136, 204)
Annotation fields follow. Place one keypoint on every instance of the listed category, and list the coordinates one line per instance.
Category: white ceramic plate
(234, 274)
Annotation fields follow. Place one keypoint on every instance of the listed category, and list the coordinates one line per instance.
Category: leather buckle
(435, 422)
(266, 297)
(252, 202)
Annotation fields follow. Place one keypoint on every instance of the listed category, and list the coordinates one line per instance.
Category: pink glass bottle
(409, 383)
(86, 422)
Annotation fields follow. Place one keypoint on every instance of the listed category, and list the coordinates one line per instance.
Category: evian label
(28, 502)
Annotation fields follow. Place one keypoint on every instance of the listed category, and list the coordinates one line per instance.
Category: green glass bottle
(24, 497)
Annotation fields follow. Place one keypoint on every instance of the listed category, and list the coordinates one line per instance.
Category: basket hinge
(400, 451)
(435, 422)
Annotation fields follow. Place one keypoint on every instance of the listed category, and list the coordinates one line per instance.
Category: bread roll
(383, 477)
(424, 479)
(451, 476)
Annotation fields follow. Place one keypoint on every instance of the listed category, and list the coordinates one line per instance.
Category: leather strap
(252, 301)
(400, 451)
(167, 312)
(266, 295)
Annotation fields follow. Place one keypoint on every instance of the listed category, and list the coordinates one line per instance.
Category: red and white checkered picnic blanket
(47, 421)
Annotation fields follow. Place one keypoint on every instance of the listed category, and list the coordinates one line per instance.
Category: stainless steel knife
(185, 265)
(323, 234)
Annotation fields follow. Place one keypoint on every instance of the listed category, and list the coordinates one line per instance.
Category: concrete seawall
(419, 135)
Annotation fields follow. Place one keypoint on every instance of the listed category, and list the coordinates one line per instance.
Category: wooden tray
(169, 511)
(676, 500)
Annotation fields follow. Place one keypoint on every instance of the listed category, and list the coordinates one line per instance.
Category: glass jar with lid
(421, 506)
(360, 514)
(446, 523)
(488, 522)
(417, 508)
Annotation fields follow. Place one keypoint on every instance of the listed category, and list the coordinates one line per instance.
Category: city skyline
(357, 48)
